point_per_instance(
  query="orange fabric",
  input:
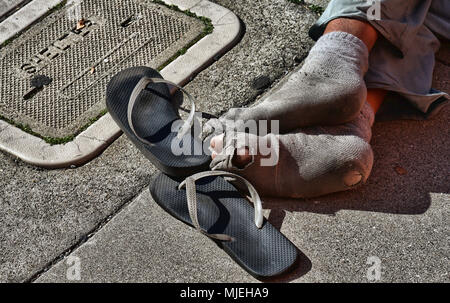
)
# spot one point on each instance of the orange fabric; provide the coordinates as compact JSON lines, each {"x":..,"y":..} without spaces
{"x":362,"y":30}
{"x":375,"y":98}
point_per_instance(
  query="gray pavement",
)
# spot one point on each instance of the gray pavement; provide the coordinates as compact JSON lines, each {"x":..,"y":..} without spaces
{"x":144,"y":244}
{"x":44,"y":214}
{"x":7,"y":5}
{"x":400,"y":219}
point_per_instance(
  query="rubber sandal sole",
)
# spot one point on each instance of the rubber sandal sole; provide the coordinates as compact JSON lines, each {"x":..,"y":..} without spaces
{"x":152,"y":119}
{"x":264,"y":253}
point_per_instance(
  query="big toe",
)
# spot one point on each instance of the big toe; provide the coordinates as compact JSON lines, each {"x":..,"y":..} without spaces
{"x":216,"y":145}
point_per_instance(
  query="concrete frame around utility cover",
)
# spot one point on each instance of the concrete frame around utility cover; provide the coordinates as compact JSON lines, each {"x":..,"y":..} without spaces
{"x":54,"y":76}
{"x":59,"y":101}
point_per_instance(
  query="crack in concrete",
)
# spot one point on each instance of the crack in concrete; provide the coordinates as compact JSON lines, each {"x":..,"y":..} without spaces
{"x":14,"y":9}
{"x":93,"y":138}
{"x":78,"y":147}
{"x":83,"y":239}
{"x":5,"y":126}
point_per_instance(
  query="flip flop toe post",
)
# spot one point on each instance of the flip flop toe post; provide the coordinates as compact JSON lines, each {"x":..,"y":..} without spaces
{"x":212,"y":205}
{"x":141,"y":102}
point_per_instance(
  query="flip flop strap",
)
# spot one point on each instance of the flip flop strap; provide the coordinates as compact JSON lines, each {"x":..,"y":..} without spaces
{"x":140,"y":86}
{"x":191,"y":194}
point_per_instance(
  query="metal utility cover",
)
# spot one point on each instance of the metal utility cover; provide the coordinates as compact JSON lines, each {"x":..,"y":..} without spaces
{"x":53,"y":77}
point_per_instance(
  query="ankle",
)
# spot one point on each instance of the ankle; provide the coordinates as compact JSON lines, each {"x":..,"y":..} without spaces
{"x":361,"y":29}
{"x":344,"y":49}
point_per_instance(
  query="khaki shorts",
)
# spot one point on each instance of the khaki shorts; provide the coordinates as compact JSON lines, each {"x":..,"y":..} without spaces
{"x":403,"y":60}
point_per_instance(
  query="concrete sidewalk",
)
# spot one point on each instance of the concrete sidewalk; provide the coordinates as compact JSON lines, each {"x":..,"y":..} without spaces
{"x":102,"y":215}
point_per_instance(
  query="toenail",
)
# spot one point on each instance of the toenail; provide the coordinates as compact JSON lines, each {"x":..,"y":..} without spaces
{"x":353,"y":178}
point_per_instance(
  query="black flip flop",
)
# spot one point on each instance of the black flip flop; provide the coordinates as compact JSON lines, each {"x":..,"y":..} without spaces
{"x":141,"y":102}
{"x":208,"y":202}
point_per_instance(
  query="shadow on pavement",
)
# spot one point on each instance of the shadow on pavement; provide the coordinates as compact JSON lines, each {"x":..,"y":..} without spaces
{"x":300,"y":268}
{"x":412,"y":161}
{"x":419,"y":148}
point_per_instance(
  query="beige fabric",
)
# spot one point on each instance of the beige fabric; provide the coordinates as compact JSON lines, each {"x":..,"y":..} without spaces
{"x":191,"y":194}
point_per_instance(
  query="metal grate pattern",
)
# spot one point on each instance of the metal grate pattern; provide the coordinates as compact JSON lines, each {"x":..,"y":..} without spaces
{"x":79,"y":62}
